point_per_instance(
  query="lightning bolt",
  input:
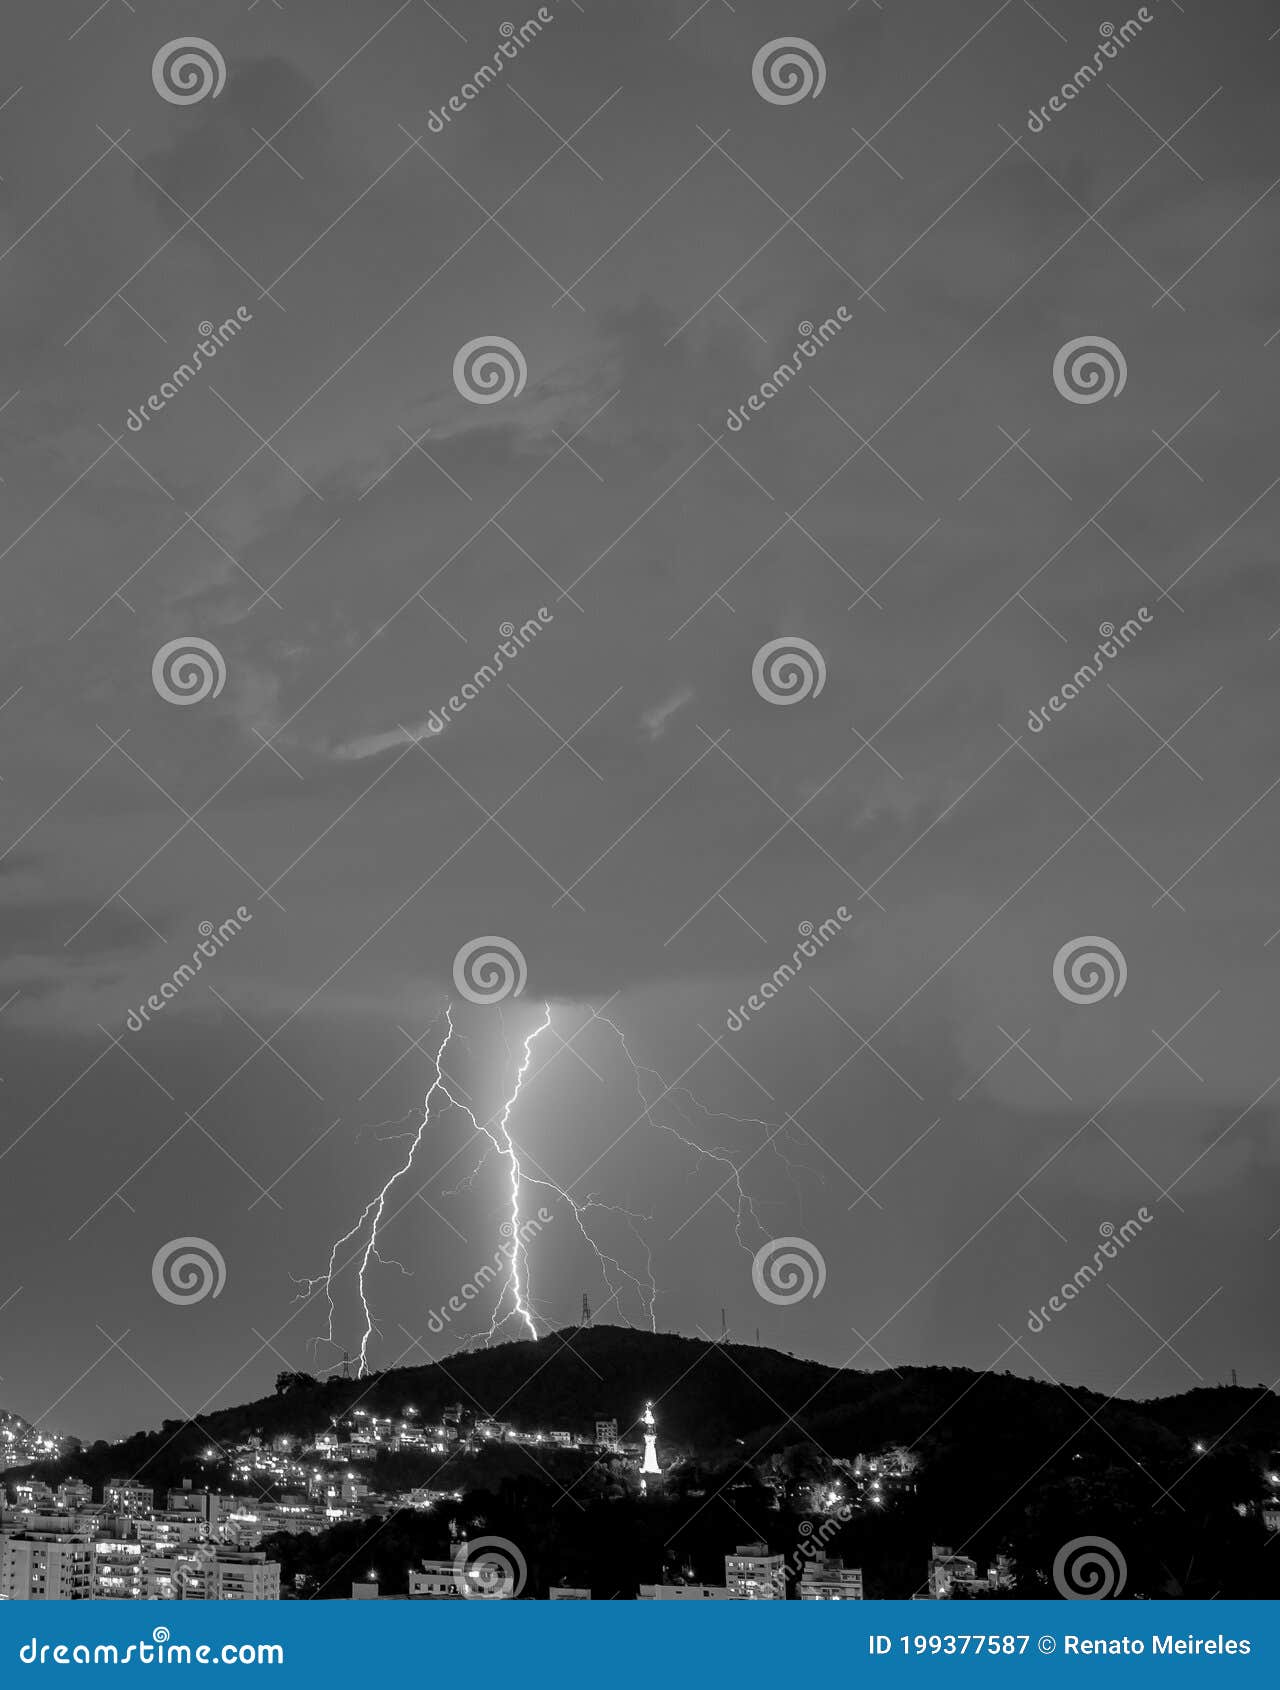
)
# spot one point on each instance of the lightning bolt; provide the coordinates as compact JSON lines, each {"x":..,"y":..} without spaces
{"x":745,"y":1206}
{"x":615,"y":1274}
{"x":372,"y":1217}
{"x":515,"y":1302}
{"x":518,"y":1253}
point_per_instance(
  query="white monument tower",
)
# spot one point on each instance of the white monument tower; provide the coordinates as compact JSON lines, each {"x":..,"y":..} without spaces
{"x":650,"y":1463}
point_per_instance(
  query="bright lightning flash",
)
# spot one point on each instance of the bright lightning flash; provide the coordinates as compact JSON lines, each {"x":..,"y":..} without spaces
{"x":515,"y":1301}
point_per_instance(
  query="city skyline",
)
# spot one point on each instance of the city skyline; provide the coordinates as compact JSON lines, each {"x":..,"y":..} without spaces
{"x":341,"y":1490}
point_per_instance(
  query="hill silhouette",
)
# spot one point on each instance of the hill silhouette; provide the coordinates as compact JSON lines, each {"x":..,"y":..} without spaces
{"x":717,"y":1399}
{"x":1006,"y":1463}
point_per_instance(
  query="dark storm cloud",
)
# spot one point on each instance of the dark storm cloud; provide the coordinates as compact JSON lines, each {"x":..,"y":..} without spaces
{"x":356,"y":571}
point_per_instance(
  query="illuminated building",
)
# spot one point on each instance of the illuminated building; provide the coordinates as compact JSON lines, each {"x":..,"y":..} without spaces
{"x":949,"y":1572}
{"x":45,"y":1567}
{"x":245,"y":1578}
{"x":129,"y":1498}
{"x":946,"y":1571}
{"x":607,"y":1435}
{"x":753,"y":1575}
{"x":116,"y":1569}
{"x":684,"y":1593}
{"x":435,"y":1583}
{"x":33,"y":1493}
{"x":167,"y":1528}
{"x":21,"y":1442}
{"x":442,"y":1581}
{"x":209,"y":1507}
{"x":212,"y":1574}
{"x":827,"y":1579}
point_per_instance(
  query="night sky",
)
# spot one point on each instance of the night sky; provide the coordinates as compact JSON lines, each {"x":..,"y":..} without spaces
{"x":921,"y":503}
